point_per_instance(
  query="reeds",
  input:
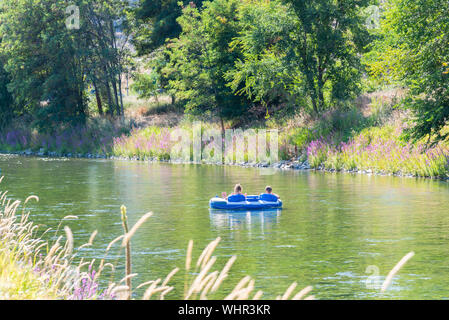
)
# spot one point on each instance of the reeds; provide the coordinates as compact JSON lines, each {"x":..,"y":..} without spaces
{"x":380,"y":150}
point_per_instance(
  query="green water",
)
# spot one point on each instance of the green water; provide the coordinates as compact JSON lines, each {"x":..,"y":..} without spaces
{"x":332,"y":228}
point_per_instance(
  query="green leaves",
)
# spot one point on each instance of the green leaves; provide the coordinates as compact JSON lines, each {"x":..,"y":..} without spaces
{"x":414,"y":49}
{"x":201,"y":56}
{"x":50,"y":65}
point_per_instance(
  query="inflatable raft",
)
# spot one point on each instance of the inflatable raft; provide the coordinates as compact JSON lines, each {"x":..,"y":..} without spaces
{"x":239,"y":202}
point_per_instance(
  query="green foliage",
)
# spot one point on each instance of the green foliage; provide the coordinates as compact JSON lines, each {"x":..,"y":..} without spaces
{"x":301,"y":52}
{"x":200,"y":58}
{"x":380,"y":150}
{"x":156,"y":22}
{"x":43,"y":60}
{"x":146,"y":85}
{"x":263,"y":75}
{"x":414,"y":51}
{"x":327,"y":45}
{"x":6,"y":103}
{"x":50,"y":66}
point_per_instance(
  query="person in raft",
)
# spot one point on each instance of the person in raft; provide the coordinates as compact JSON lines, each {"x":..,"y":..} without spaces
{"x":269,"y":196}
{"x":237,"y":196}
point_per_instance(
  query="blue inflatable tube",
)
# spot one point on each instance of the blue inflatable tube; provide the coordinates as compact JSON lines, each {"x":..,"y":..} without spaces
{"x":251,"y":203}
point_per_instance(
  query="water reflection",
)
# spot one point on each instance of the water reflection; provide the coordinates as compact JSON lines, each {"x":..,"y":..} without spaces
{"x":262,"y":220}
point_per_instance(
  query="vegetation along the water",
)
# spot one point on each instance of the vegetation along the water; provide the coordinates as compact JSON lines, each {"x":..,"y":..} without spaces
{"x":349,"y":86}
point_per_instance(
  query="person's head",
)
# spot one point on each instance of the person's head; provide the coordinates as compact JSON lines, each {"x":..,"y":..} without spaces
{"x":269,"y":189}
{"x":237,"y":188}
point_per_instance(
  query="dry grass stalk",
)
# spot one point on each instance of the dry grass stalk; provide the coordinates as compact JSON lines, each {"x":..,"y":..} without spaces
{"x":258,"y":295}
{"x":169,"y":276}
{"x":196,"y":285}
{"x":134,"y":229}
{"x":69,"y":243}
{"x":395,"y":270}
{"x":127,"y":250}
{"x":289,"y":291}
{"x":189,"y":255}
{"x":223,"y":274}
{"x":92,"y":237}
{"x":301,"y":294}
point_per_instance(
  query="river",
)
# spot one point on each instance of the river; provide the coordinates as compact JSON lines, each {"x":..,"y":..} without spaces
{"x":333,"y":229}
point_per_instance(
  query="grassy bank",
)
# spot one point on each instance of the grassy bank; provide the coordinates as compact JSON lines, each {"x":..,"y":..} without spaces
{"x":380,"y":150}
{"x":95,"y":137}
{"x":366,"y":137}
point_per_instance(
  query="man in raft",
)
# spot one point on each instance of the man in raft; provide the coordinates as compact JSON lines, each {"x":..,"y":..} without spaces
{"x":269,"y":190}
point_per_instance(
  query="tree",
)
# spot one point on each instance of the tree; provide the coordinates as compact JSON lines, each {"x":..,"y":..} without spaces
{"x":265,"y":74}
{"x":300,"y":52}
{"x":108,"y":29}
{"x":200,"y":58}
{"x":50,"y":65}
{"x":414,"y":50}
{"x":326,"y":47}
{"x":6,"y":103}
{"x":157,"y":22}
{"x":44,"y":60}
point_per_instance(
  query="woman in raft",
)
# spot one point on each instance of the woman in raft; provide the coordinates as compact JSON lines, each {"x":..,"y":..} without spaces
{"x":237,"y":196}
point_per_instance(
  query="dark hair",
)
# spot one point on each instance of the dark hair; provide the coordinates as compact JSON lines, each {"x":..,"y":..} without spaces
{"x":268,"y":189}
{"x":238,"y":188}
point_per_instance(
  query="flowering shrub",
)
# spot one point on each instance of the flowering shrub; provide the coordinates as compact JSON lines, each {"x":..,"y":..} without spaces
{"x":151,"y":142}
{"x":94,"y":137}
{"x":380,"y":150}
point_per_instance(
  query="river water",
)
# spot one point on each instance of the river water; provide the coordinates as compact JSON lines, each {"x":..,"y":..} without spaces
{"x":335,"y":232}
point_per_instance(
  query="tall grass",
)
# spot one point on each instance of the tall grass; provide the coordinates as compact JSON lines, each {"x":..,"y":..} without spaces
{"x":151,"y":142}
{"x":381,"y":150}
{"x":95,"y":137}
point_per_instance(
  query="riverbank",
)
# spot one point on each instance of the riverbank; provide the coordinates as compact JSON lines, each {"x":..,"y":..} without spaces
{"x":282,"y":165}
{"x":367,"y":140}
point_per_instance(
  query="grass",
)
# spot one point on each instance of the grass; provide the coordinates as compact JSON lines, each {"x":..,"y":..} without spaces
{"x":358,"y":138}
{"x":380,"y":150}
{"x":19,"y":281}
{"x":95,"y":137}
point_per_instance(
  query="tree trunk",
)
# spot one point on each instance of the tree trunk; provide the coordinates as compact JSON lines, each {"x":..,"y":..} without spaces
{"x":108,"y":93}
{"x":223,"y":131}
{"x":114,"y":87}
{"x":98,"y":97}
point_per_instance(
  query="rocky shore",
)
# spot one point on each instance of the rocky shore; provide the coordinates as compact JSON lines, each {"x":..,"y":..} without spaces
{"x":281,"y":165}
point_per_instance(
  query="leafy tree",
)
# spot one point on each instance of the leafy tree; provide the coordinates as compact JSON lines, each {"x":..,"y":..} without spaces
{"x":50,"y":65}
{"x":108,"y":28}
{"x":300,"y":49}
{"x":326,"y":47}
{"x":200,"y":58}
{"x":6,"y":103}
{"x":265,"y":74}
{"x":44,"y":60}
{"x":414,"y":50}
{"x":157,"y":22}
